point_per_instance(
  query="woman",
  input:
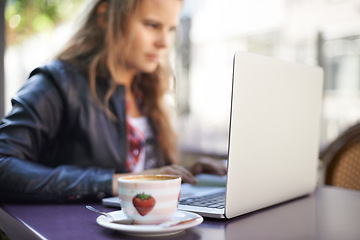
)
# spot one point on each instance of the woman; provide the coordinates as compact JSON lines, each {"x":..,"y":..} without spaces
{"x":96,"y":112}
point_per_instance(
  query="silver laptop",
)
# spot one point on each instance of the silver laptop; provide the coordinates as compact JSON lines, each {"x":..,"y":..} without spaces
{"x":273,"y":138}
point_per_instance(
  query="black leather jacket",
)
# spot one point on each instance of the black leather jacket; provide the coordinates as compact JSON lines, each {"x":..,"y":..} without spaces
{"x":57,"y":144}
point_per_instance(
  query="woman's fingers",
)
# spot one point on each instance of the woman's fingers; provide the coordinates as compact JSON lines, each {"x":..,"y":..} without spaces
{"x":182,"y":172}
{"x":177,"y":170}
{"x":206,"y":165}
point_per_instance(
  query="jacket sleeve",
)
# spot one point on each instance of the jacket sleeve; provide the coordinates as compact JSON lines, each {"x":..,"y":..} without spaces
{"x":35,"y":121}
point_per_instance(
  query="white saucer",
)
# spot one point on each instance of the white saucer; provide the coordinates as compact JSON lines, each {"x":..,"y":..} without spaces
{"x":149,"y":230}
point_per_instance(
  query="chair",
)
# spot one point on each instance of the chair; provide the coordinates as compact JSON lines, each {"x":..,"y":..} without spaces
{"x":341,"y":160}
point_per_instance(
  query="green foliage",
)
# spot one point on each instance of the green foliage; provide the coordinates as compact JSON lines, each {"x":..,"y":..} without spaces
{"x":27,"y":17}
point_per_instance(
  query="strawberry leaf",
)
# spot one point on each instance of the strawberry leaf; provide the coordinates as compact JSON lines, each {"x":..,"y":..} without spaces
{"x":143,"y":196}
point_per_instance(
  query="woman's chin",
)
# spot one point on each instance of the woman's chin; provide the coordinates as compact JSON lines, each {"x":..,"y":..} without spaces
{"x":150,"y":69}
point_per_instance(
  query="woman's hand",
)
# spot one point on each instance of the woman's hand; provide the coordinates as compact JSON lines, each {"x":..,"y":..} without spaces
{"x":174,"y":169}
{"x":203,"y":165}
{"x":210,"y":166}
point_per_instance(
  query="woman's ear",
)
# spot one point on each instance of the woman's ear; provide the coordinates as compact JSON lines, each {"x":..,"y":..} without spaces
{"x":102,"y":14}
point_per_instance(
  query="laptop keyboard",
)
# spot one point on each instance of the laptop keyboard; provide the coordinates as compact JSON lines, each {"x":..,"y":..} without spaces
{"x":216,"y":200}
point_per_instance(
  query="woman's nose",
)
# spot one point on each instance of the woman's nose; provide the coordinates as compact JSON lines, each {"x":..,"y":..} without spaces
{"x":164,"y":39}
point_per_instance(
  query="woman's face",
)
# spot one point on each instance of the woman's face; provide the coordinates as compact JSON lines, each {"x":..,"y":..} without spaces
{"x":150,"y":33}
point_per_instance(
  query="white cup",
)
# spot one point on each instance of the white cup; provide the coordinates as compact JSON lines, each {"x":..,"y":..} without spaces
{"x":149,"y":199}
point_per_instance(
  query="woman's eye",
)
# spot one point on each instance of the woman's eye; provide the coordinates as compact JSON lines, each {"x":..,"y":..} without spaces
{"x":153,"y":25}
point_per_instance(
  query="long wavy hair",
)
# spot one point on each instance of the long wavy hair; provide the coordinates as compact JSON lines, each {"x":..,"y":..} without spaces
{"x":97,"y":48}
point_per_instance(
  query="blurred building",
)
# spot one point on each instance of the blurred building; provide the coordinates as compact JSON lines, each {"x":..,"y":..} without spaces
{"x":313,"y":32}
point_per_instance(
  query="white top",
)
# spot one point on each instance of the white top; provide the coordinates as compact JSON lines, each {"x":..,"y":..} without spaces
{"x":142,"y":125}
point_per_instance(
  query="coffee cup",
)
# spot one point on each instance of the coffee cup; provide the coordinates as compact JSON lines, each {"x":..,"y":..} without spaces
{"x":149,"y":199}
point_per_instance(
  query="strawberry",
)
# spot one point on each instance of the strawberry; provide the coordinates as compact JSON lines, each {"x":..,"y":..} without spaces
{"x":143,"y":203}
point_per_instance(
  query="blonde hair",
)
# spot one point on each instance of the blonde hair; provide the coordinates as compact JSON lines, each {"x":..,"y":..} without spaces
{"x":98,"y":51}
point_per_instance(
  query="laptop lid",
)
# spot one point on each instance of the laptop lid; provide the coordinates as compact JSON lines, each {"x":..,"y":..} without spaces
{"x":274,"y":132}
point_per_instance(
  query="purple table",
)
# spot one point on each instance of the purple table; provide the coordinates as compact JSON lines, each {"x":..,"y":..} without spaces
{"x":330,"y":213}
